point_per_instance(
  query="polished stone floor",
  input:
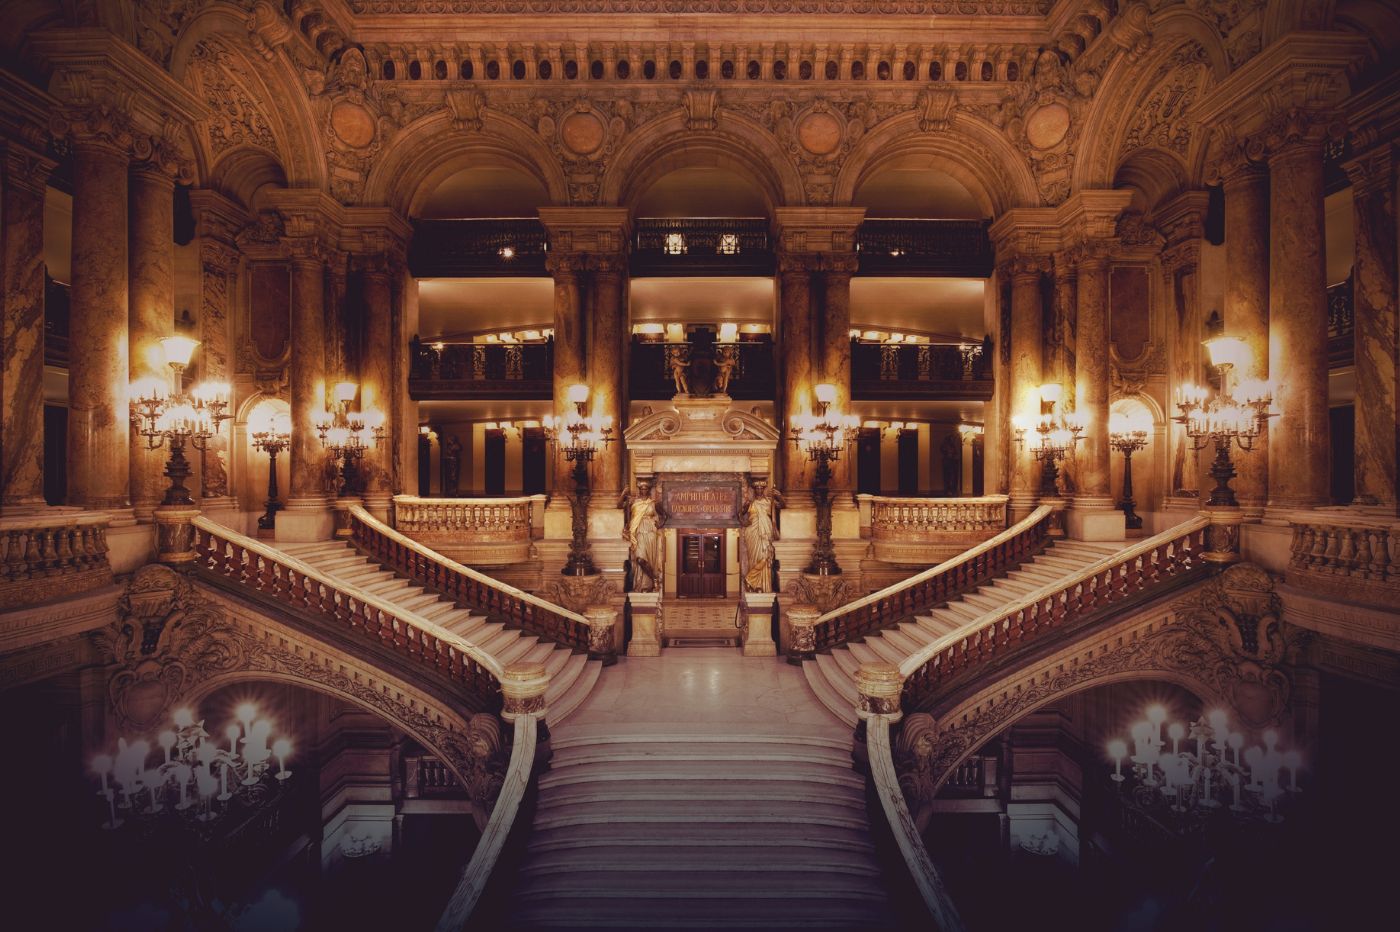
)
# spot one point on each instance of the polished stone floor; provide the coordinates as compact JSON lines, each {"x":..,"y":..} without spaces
{"x":704,"y":689}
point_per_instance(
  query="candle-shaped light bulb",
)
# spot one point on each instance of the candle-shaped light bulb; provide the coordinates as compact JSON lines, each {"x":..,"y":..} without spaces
{"x":246,"y":713}
{"x":1117,"y":748}
{"x":1292,"y":760}
{"x":233,"y":732}
{"x":102,"y":763}
{"x":282,"y":748}
{"x":1270,"y":739}
{"x":1176,"y":732}
{"x":167,"y":741}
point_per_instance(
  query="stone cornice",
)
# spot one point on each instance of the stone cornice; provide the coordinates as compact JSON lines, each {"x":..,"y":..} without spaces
{"x":1304,"y":70}
{"x":1374,"y":114}
{"x":1026,"y":232}
{"x":311,"y":219}
{"x":24,"y":112}
{"x":369,"y":231}
{"x":590,"y":230}
{"x":816,"y":229}
{"x":1092,"y":216}
{"x":80,"y":59}
{"x":217,"y":215}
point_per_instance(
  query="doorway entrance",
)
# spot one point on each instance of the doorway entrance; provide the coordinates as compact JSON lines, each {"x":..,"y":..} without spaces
{"x":701,"y":565}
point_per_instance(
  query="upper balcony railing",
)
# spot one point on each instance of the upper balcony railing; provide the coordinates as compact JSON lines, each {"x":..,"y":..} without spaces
{"x":955,"y":248}
{"x":920,"y":531}
{"x":702,"y":246}
{"x":958,"y":371}
{"x":477,"y":248}
{"x":480,"y":370}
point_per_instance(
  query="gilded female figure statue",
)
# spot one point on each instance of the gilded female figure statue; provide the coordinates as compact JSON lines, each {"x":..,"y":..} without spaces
{"x":642,"y":532}
{"x":756,"y":535}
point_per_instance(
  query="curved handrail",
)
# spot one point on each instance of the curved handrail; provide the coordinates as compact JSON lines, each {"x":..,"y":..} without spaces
{"x":906,"y":834}
{"x":1113,"y":579}
{"x":270,"y":571}
{"x":430,"y":568}
{"x":514,"y":786}
{"x":935,"y":584}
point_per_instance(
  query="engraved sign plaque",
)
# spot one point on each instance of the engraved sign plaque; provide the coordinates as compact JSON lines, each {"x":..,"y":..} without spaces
{"x":702,"y":504}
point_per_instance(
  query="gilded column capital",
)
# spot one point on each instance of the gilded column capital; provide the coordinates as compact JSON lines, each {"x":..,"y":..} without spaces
{"x":1024,"y":267}
{"x":607,"y":264}
{"x":1065,"y":265}
{"x":24,"y":168}
{"x":159,"y":155}
{"x":839,"y":264}
{"x":563,"y":266}
{"x":95,"y":123}
{"x":1238,"y":158}
{"x":1293,"y":129}
{"x":796,"y":263}
{"x":218,"y":256}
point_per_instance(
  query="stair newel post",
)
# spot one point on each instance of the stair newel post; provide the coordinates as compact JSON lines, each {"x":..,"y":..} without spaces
{"x":601,"y":619}
{"x":802,"y":642}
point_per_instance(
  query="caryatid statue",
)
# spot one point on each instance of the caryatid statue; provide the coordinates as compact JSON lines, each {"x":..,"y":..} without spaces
{"x":759,"y":517}
{"x":642,"y":531}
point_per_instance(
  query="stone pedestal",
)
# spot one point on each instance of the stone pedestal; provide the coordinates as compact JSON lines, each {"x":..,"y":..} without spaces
{"x":646,"y":624}
{"x":303,"y":520}
{"x":1223,"y":535}
{"x":1094,"y":518}
{"x":802,"y":643}
{"x":377,"y":504}
{"x":878,"y":686}
{"x":175,"y":534}
{"x":758,"y":635}
{"x":340,"y":516}
{"x":602,"y":619}
{"x":523,"y":688}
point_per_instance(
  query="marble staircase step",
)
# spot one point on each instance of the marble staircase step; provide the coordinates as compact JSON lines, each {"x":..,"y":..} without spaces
{"x":643,"y":860}
{"x":885,"y":648}
{"x":693,"y":768}
{"x":742,"y":754}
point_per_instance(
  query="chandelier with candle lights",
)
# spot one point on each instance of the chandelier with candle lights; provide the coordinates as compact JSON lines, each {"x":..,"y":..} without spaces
{"x":580,"y":435}
{"x":189,"y":774}
{"x":1056,"y":435}
{"x":1235,"y":415}
{"x":822,"y":437}
{"x":176,"y":418}
{"x":272,"y":434}
{"x":1128,"y":433}
{"x":1192,"y":772}
{"x":347,"y":434}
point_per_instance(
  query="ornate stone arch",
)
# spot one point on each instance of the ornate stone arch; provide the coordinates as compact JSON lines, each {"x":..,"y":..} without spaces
{"x":243,"y":111}
{"x":668,"y":143}
{"x":432,"y":148}
{"x":1146,"y":103}
{"x":970,"y":150}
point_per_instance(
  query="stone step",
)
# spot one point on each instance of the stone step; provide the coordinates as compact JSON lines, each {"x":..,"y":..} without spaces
{"x":701,"y":909}
{"x":586,"y":735}
{"x":613,"y":828}
{"x":863,"y":653}
{"x":573,"y":684}
{"x":625,"y":755}
{"x":667,"y":792}
{"x":629,"y":859}
{"x":680,"y":815}
{"x":846,"y":660}
{"x":779,"y":881}
{"x":834,"y":689}
{"x":885,"y":648}
{"x":1013,"y":588}
{"x":900,"y":640}
{"x":1053,"y":563}
{"x":963,"y":610}
{"x":916,"y":634}
{"x":939,"y":622}
{"x":696,"y":768}
{"x":420,"y":601}
{"x":984,"y":600}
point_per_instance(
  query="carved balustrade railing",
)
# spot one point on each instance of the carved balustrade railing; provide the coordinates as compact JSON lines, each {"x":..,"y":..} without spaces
{"x":465,"y":586}
{"x":254,"y":568}
{"x":925,"y":247}
{"x":925,"y":370}
{"x":1341,"y":324}
{"x":480,"y":370}
{"x":934,"y":586}
{"x":475,"y":531}
{"x":57,"y":552}
{"x":1145,"y":570}
{"x":920,"y":531}
{"x":1349,"y":556}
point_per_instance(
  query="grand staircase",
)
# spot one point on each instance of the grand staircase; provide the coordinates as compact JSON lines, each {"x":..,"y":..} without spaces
{"x":832,"y":675}
{"x":572,"y":675}
{"x":701,"y":827}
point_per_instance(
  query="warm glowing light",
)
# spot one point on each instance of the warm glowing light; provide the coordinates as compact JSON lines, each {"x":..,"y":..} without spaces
{"x":1227,"y":351}
{"x":149,"y":389}
{"x":1051,"y":392}
{"x":184,"y":718}
{"x":673,"y":244}
{"x":345,"y":391}
{"x":825,"y":393}
{"x":728,"y":332}
{"x":507,"y":252}
{"x":578,"y":394}
{"x":373,"y":419}
{"x":178,"y":350}
{"x":1020,"y":423}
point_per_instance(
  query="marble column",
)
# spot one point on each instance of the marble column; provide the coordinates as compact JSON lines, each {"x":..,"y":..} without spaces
{"x":1093,"y":516}
{"x":99,"y":433}
{"x":1246,"y":188}
{"x":1059,"y":361}
{"x":1377,"y":338}
{"x":1180,"y":273}
{"x":607,"y":368}
{"x":836,"y":352}
{"x":376,"y":379}
{"x":569,"y":358}
{"x":307,"y":516}
{"x":1299,"y":451}
{"x":218,"y":261}
{"x":22,"y":328}
{"x":151,"y":314}
{"x":1027,"y":345}
{"x":795,"y":366}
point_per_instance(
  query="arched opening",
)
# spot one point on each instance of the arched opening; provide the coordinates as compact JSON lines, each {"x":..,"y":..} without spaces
{"x":910,"y":186}
{"x":486,"y":190}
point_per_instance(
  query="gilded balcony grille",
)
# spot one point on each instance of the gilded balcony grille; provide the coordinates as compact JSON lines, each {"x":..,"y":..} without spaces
{"x":478,"y":248}
{"x":480,"y":370}
{"x":701,"y":246}
{"x":1341,"y":325}
{"x":961,"y":371}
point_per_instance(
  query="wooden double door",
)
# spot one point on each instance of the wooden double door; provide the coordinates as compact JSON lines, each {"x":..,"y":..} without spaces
{"x":701,"y":573}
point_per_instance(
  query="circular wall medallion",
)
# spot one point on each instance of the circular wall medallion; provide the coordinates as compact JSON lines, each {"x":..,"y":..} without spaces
{"x":1047,"y":125}
{"x":353,"y":124}
{"x":582,"y":133}
{"x":819,"y":133}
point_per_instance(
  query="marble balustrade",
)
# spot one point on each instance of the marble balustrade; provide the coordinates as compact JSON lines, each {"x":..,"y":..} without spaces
{"x":1355,"y":558}
{"x":475,"y":531}
{"x":43,"y":556}
{"x":924,"y":531}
